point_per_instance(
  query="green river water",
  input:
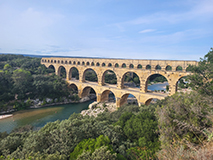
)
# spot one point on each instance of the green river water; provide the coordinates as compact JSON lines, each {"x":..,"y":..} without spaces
{"x":41,"y":116}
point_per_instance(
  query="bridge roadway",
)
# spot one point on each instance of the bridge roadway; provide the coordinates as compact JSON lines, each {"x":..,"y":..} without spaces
{"x":121,"y":95}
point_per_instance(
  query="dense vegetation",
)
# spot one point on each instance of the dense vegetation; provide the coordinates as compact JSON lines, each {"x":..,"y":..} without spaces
{"x":24,"y":78}
{"x":178,"y":127}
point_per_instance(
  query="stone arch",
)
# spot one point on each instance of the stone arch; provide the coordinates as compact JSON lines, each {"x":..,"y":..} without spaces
{"x":112,"y":76}
{"x":74,"y":62}
{"x":92,"y":64}
{"x":79,"y":63}
{"x":62,"y":71}
{"x":87,"y":91}
{"x":62,"y":62}
{"x":168,"y":68}
{"x":92,"y":76}
{"x":70,"y":62}
{"x":148,"y":67}
{"x":65,"y":62}
{"x":123,"y":65}
{"x":97,"y":64}
{"x":158,"y":67}
{"x":74,"y":88}
{"x":54,"y":61}
{"x":73,"y":73}
{"x":103,"y":64}
{"x":116,"y":65}
{"x":139,"y":66}
{"x":58,"y":61}
{"x":51,"y":68}
{"x":105,"y":96}
{"x":176,"y":84}
{"x":148,"y":101}
{"x":179,"y":68}
{"x":83,"y":63}
{"x":110,"y":65}
{"x":124,"y":99}
{"x":87,"y":63}
{"x":131,"y":66}
{"x":153,"y":76}
{"x":132,"y":76}
{"x":51,"y":61}
{"x":48,"y":60}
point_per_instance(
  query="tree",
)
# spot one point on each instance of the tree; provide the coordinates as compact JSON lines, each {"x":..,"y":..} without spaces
{"x":202,"y":78}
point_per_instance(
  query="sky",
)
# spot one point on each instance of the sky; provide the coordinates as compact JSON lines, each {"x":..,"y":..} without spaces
{"x":131,"y":29}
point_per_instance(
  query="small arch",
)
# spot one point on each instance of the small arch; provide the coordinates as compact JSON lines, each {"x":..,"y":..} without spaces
{"x":123,"y":65}
{"x":98,"y":64}
{"x":51,"y":61}
{"x":87,"y":63}
{"x":158,"y":67}
{"x":151,"y":101}
{"x":45,"y":60}
{"x":182,"y":84}
{"x":139,"y":66}
{"x":42,"y":60}
{"x":110,"y":65}
{"x":65,"y":62}
{"x":74,"y":62}
{"x":62,"y":62}
{"x":90,"y":75}
{"x":148,"y":66}
{"x":92,"y":64}
{"x":73,"y":73}
{"x":109,"y":77}
{"x":79,"y":63}
{"x":168,"y":68}
{"x":179,"y":68}
{"x":107,"y":96}
{"x":58,"y":61}
{"x":131,"y":66}
{"x":70,"y":62}
{"x":116,"y":65}
{"x":48,"y":61}
{"x":83,"y":63}
{"x":103,"y":64}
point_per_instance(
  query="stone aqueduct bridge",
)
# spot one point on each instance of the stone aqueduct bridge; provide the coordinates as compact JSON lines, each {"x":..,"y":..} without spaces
{"x":171,"y":70}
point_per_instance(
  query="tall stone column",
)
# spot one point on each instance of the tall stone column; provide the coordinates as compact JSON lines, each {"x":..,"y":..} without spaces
{"x":98,"y":97}
{"x":118,"y":102}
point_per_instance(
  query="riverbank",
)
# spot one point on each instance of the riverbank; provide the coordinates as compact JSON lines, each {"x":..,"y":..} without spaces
{"x":5,"y":116}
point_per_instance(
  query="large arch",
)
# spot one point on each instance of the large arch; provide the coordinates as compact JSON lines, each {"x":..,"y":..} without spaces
{"x":154,"y":78}
{"x":51,"y":69}
{"x":124,"y":99}
{"x":109,"y":77}
{"x":105,"y":96}
{"x":131,"y":78}
{"x":74,"y":88}
{"x":179,"y":81}
{"x":62,"y":71}
{"x":87,"y":91}
{"x":73,"y":73}
{"x":90,"y":75}
{"x":151,"y":100}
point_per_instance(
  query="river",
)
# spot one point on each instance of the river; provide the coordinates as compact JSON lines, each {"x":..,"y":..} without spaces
{"x":41,"y":116}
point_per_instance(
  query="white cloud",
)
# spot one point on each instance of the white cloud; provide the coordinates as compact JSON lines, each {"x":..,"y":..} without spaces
{"x":147,"y":30}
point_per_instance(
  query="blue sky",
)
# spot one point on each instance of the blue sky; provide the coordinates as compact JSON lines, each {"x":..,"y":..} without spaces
{"x":136,"y":29}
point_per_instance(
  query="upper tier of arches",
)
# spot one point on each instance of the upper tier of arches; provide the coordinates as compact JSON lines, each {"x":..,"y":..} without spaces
{"x":166,"y":65}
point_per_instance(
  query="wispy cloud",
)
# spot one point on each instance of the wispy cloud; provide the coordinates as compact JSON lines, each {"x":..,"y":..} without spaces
{"x":147,"y":30}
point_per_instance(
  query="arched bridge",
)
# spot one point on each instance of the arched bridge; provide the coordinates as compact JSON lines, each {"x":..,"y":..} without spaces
{"x":172,"y":70}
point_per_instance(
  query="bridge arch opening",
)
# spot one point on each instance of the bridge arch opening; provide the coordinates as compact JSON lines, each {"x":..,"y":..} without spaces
{"x":157,"y":83}
{"x":151,"y":101}
{"x":70,"y":62}
{"x":58,"y":61}
{"x":98,"y":64}
{"x":130,"y":79}
{"x":51,"y":69}
{"x":107,"y":96}
{"x":88,"y":92}
{"x":158,"y":67}
{"x":65,"y":62}
{"x":103,"y":64}
{"x":74,"y":62}
{"x":79,"y":63}
{"x":139,"y":66}
{"x":179,"y":68}
{"x":116,"y":65}
{"x":87,"y":63}
{"x":110,"y":65}
{"x":73,"y":88}
{"x":109,"y":77}
{"x":83,"y":63}
{"x":90,"y":75}
{"x":92,"y":64}
{"x":62,"y":72}
{"x":54,"y":61}
{"x":73,"y":73}
{"x":168,"y":68}
{"x":148,"y":66}
{"x":182,"y":84}
{"x":128,"y":99}
{"x":123,"y":65}
{"x":131,"y":66}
